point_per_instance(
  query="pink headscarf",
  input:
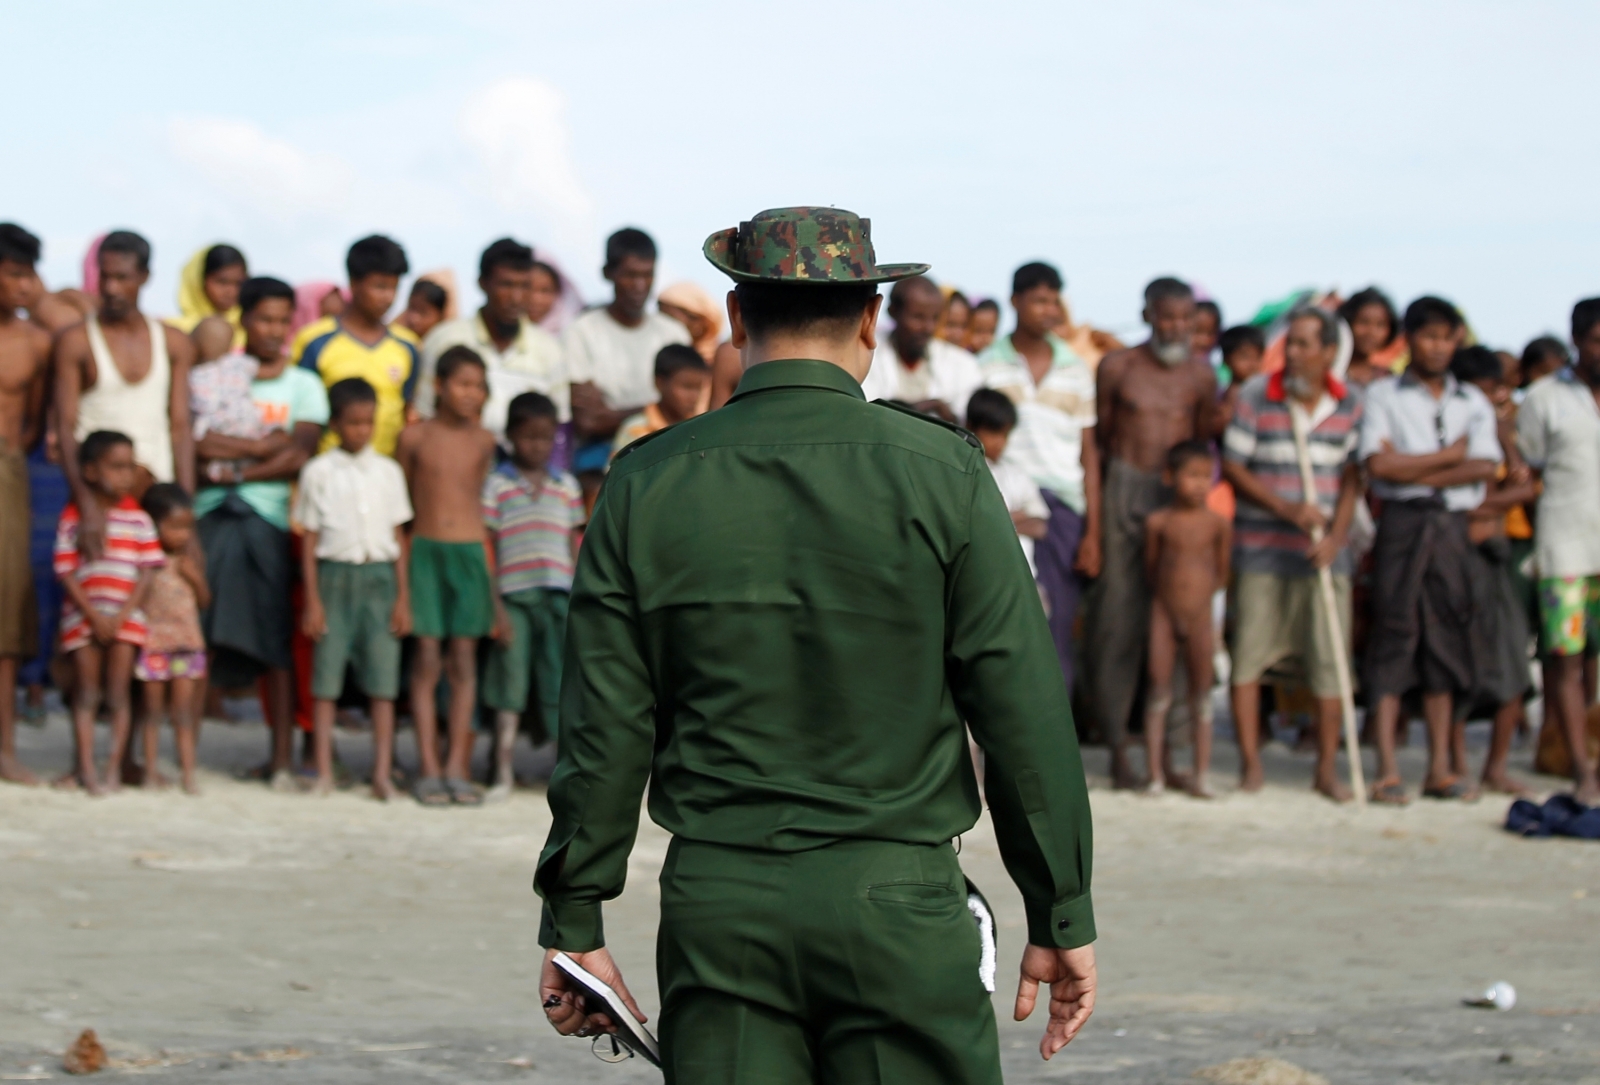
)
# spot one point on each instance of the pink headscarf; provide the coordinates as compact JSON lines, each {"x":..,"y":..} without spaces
{"x":91,"y":267}
{"x":308,"y":301}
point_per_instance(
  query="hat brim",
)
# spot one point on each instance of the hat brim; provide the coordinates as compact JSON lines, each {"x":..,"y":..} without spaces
{"x":720,"y":244}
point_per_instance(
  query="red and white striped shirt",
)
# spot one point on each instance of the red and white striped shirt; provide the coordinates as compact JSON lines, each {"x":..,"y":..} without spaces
{"x":132,"y":546}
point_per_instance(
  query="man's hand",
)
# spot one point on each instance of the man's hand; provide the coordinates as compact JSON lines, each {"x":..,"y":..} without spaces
{"x":1307,"y":518}
{"x":1071,"y":976}
{"x":314,"y":622}
{"x":400,"y":617}
{"x":1088,"y":560}
{"x":564,"y":1007}
{"x":503,"y":631}
{"x":1321,"y":554}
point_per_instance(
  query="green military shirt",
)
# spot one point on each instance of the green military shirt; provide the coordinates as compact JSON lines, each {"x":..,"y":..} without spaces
{"x":784,"y":610}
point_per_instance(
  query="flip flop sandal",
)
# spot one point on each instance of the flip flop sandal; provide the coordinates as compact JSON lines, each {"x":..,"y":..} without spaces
{"x":1390,"y":793}
{"x":431,"y":791}
{"x":1452,"y":789}
{"x":463,"y":792}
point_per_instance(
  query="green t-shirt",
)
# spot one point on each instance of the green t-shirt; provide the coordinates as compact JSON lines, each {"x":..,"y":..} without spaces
{"x":296,"y":395}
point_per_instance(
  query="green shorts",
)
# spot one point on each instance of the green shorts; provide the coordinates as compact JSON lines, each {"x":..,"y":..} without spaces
{"x":358,"y":601}
{"x":1569,"y":613}
{"x":451,"y":595}
{"x":538,"y":620}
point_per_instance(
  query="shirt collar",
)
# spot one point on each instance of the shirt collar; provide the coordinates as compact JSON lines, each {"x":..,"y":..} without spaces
{"x":1452,"y":387}
{"x":509,"y":470}
{"x":1061,"y":353}
{"x":1276,"y":393}
{"x":797,"y":373}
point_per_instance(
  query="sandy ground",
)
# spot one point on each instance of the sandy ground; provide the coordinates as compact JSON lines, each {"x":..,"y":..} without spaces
{"x":247,"y":936}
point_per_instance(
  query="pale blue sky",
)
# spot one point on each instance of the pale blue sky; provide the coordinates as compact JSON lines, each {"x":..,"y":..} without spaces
{"x":1251,"y":146}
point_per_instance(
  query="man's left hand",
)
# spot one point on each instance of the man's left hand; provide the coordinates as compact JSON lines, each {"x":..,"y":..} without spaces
{"x":564,"y":1006}
{"x":1088,"y":560}
{"x":1323,"y":552}
{"x":1071,"y":976}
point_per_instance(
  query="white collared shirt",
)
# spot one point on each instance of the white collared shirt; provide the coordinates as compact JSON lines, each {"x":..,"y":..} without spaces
{"x":533,"y":362}
{"x":620,"y":361}
{"x":1051,"y":415}
{"x":1402,"y":411}
{"x":354,"y":503}
{"x":1558,"y":431}
{"x":948,"y":374}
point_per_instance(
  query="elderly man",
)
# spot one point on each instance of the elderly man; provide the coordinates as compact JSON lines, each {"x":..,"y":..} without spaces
{"x":1277,"y":602}
{"x":913,"y":367}
{"x":1148,"y":398}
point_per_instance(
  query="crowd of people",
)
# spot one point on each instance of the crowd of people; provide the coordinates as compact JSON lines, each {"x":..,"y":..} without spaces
{"x":293,"y":490}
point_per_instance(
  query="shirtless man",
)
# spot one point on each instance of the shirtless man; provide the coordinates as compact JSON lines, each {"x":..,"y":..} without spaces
{"x":1187,"y":547}
{"x":453,"y":600}
{"x":145,"y":392}
{"x":1148,"y":399}
{"x":24,"y":362}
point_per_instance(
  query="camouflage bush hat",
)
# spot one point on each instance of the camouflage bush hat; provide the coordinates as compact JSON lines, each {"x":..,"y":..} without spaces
{"x":803,"y":245}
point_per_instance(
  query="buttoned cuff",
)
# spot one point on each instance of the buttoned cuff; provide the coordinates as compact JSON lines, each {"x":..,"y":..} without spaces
{"x":1064,"y":925}
{"x":573,"y":928}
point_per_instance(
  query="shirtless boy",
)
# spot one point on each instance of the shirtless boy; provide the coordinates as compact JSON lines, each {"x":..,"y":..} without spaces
{"x":1148,"y":398}
{"x":24,"y":360}
{"x":144,"y":395}
{"x":1186,"y":553}
{"x":453,"y":601}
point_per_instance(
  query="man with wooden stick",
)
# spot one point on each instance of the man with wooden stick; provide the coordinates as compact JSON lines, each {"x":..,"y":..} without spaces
{"x":1281,"y":539}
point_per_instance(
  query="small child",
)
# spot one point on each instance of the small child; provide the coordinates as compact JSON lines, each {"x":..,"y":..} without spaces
{"x":1186,"y":554}
{"x":534,"y":515}
{"x":983,"y":325}
{"x":1207,"y":329}
{"x":354,"y":505}
{"x":425,"y":308}
{"x":102,"y":623}
{"x":682,"y":381}
{"x":219,"y":393}
{"x":172,"y":662}
{"x":991,"y":416}
{"x":453,"y":600}
{"x":1244,"y":348}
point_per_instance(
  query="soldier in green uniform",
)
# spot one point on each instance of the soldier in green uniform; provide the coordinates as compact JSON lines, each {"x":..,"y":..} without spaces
{"x":784,"y":612}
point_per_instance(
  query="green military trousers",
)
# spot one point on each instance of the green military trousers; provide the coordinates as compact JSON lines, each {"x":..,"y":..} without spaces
{"x":850,"y":964}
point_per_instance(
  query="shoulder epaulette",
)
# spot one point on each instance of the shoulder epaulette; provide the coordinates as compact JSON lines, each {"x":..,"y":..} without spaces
{"x":639,"y":443}
{"x":905,"y":409}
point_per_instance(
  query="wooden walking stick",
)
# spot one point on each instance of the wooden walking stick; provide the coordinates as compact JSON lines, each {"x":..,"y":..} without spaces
{"x":1330,"y":610}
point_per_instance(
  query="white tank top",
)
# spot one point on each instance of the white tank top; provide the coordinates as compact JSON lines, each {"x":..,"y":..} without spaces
{"x":142,"y":410}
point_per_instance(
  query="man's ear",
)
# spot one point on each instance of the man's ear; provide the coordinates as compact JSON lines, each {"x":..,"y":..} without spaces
{"x":736,"y":333}
{"x":869,"y":323}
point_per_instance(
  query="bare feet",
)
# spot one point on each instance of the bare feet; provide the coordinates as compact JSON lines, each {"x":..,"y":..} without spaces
{"x":1251,"y":777}
{"x":112,"y":783}
{"x":13,"y":771}
{"x":1331,"y":788}
{"x":67,"y":781}
{"x":189,"y":786}
{"x":497,"y":793}
{"x":155,"y":781}
{"x":1501,"y":783}
{"x":1178,"y":780}
{"x":283,"y":780}
{"x":1154,"y":788}
{"x":1588,"y":793}
{"x":321,"y":786}
{"x":383,"y":790}
{"x":1197,"y":789}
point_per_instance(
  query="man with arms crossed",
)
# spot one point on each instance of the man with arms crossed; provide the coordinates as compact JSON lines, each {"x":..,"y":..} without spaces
{"x":784,"y":611}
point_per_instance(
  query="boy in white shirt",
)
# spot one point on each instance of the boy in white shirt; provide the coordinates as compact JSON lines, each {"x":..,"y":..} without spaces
{"x":991,"y":416}
{"x":353,"y":503}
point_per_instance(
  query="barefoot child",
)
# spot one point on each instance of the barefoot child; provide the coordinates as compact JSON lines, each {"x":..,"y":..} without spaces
{"x":172,"y":662}
{"x":453,"y":601}
{"x":354,"y":505}
{"x":102,"y":623}
{"x":1186,"y":560}
{"x":533,"y":514}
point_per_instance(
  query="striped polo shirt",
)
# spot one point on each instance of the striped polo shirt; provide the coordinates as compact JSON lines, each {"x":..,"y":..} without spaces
{"x":1261,"y":440}
{"x":532,"y":528}
{"x":131,"y":547}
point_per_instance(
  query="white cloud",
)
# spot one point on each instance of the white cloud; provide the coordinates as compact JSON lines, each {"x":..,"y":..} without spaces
{"x":517,"y":129}
{"x":260,"y":172}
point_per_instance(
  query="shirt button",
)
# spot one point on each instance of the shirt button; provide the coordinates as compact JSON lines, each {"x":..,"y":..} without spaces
{"x":1063,"y":924}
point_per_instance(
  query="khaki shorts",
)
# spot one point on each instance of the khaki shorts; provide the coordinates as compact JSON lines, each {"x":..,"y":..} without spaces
{"x":1279,"y":618}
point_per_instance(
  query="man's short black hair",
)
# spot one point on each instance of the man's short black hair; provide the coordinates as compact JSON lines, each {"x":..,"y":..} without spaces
{"x":626,"y":242}
{"x":1431,"y":310}
{"x":129,"y":244}
{"x":165,"y":498}
{"x":221,"y":258}
{"x":1166,"y":287}
{"x":1585,"y":315}
{"x":1371,"y":296}
{"x":507,"y":252}
{"x":528,"y":406}
{"x":902,"y":290}
{"x":376,"y":255}
{"x":1543,"y":349}
{"x":1477,"y":363}
{"x":1184,"y":451}
{"x":991,"y":411}
{"x":431,"y":293}
{"x":1210,"y":307}
{"x":93,"y":448}
{"x":18,"y":245}
{"x":675,"y":357}
{"x":456,"y":357}
{"x":257,"y":290}
{"x":347,"y":393}
{"x":1327,"y":325}
{"x":987,"y":305}
{"x":1240,"y":336}
{"x":1038,"y":273}
{"x":826,"y":308}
